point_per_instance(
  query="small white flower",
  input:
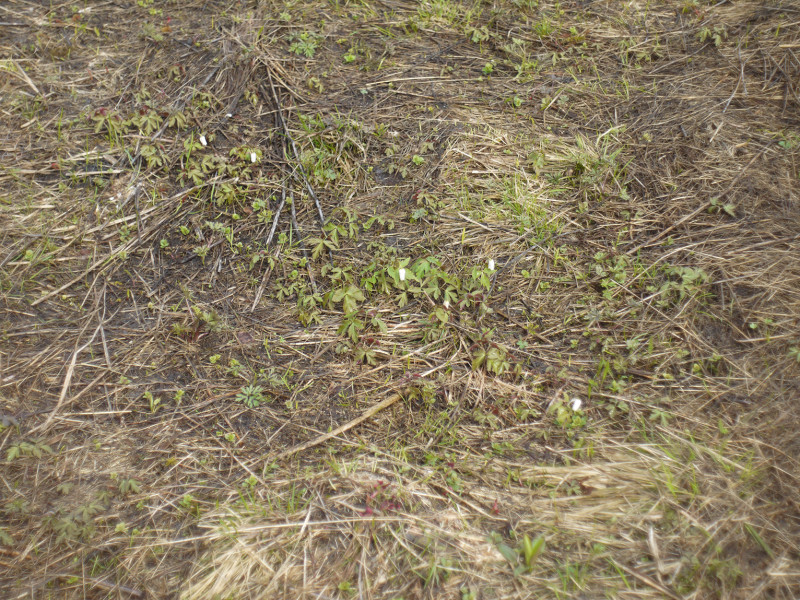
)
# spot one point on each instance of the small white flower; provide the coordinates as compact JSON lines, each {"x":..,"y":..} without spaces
{"x":575,"y":404}
{"x":203,"y":140}
{"x":401,"y":273}
{"x":446,"y":304}
{"x":252,"y":157}
{"x":491,"y":264}
{"x":229,"y":115}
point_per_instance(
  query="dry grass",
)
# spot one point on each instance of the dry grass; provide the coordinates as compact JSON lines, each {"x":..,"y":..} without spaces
{"x":632,"y":172}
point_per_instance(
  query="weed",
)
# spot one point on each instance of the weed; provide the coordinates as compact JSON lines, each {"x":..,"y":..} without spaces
{"x":794,"y":352}
{"x":6,"y":539}
{"x":305,"y":43}
{"x":482,"y":259}
{"x":129,"y":486}
{"x":36,"y":449}
{"x":717,"y":35}
{"x":251,"y":396}
{"x":153,"y":402}
{"x":349,"y":295}
{"x":495,"y":359}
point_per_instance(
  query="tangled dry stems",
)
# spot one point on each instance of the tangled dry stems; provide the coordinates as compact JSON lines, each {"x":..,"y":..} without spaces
{"x":634,"y":180}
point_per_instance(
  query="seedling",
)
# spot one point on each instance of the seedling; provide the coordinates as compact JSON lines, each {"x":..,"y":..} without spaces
{"x":305,"y":44}
{"x":251,"y":396}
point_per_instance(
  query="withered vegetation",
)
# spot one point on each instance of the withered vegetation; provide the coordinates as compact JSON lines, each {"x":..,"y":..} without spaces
{"x":390,"y":299}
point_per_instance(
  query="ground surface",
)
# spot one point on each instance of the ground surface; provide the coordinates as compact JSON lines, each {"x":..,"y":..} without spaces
{"x":388,"y":299}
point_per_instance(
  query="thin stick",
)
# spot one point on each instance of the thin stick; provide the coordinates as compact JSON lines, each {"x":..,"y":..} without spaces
{"x":271,"y":235}
{"x":647,"y":581}
{"x":104,"y":263}
{"x":302,"y":244}
{"x":285,"y":128}
{"x":179,"y":107}
{"x":694,"y":213}
{"x":27,"y":79}
{"x":67,"y":381}
{"x":277,"y":214}
{"x":349,"y":425}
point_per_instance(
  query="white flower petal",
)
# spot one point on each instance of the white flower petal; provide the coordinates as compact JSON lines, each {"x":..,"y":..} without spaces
{"x":203,"y":140}
{"x":252,"y":157}
{"x":446,"y":304}
{"x":491,"y":264}
{"x":229,"y":115}
{"x":575,"y":404}
{"x":401,"y":273}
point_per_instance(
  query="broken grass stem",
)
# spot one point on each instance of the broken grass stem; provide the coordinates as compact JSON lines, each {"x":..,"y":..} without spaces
{"x":295,"y":152}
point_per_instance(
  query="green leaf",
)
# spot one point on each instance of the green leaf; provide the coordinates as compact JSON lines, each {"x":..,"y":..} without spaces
{"x":350,"y":297}
{"x":478,"y":359}
{"x":508,"y":553}
{"x":356,"y":293}
{"x":5,"y":538}
{"x":759,"y":540}
{"x":532,"y":549}
{"x":64,"y":488}
{"x":348,"y":305}
{"x":379,"y":324}
{"x":366,"y":355}
{"x":319,"y":246}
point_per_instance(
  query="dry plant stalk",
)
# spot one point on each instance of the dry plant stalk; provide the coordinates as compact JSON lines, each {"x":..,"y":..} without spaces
{"x":568,"y":232}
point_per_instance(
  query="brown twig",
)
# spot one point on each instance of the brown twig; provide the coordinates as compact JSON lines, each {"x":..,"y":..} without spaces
{"x":698,"y":210}
{"x":296,"y":153}
{"x":339,"y":430}
{"x":65,"y":386}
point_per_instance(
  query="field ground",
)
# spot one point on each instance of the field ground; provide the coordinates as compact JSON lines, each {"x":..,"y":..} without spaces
{"x":386,"y":299}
